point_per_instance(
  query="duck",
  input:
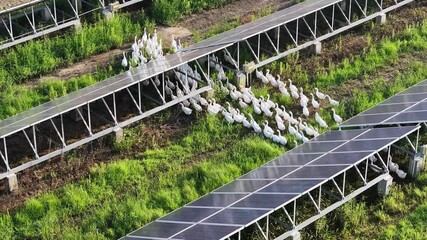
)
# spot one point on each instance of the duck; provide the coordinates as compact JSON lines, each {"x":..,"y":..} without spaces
{"x":246,"y":123}
{"x":314,"y":103}
{"x":282,"y":139}
{"x":255,"y":125}
{"x":319,"y":95}
{"x":284,"y":91}
{"x":238,"y":117}
{"x":268,"y":131}
{"x":332,"y":101}
{"x":291,"y":119}
{"x":124,"y":61}
{"x":270,"y":78}
{"x":305,"y":111}
{"x":302,"y":94}
{"x":185,"y":109}
{"x":203,"y":101}
{"x":242,"y":104}
{"x":292,"y":87}
{"x":291,"y":129}
{"x":197,"y":107}
{"x":320,"y":121}
{"x":401,"y":174}
{"x":230,"y":108}
{"x":270,"y":103}
{"x":212,"y":109}
{"x":337,"y":118}
{"x":228,"y":116}
{"x":393,"y":167}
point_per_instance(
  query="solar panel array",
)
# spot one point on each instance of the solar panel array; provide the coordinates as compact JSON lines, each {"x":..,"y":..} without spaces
{"x":153,"y":68}
{"x":253,"y":196}
{"x":407,"y":107}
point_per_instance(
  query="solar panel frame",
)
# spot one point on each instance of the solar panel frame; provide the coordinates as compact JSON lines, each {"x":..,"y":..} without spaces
{"x":391,"y":110}
{"x":267,"y":189}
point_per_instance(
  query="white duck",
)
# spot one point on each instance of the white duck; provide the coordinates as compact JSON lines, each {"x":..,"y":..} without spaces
{"x":292,"y":87}
{"x":268,"y":131}
{"x":332,"y":101}
{"x":305,"y":111}
{"x":284,"y":90}
{"x":255,"y":125}
{"x":124,"y":61}
{"x":270,"y":103}
{"x":291,"y":129}
{"x":242,"y":104}
{"x":337,"y":118}
{"x":238,"y":117}
{"x":291,"y":119}
{"x":270,"y":78}
{"x":319,"y":95}
{"x":401,"y":173}
{"x":246,"y":123}
{"x":320,"y":121}
{"x":257,"y":109}
{"x":393,"y":167}
{"x":230,"y":108}
{"x":302,"y":94}
{"x":314,"y":103}
{"x":228,"y":117}
{"x":185,"y":109}
{"x":282,"y":139}
{"x":212,"y":109}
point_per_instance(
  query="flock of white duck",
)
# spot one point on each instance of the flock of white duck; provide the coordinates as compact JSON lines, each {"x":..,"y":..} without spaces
{"x":150,"y":47}
{"x":263,"y":106}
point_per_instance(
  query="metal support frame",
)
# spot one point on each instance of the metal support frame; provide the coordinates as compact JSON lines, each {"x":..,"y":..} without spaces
{"x":57,"y":18}
{"x":87,"y":111}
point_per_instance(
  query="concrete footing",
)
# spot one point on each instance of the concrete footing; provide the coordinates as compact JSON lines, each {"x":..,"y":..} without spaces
{"x":385,"y":185}
{"x":118,"y":133}
{"x":381,"y":19}
{"x":316,"y":48}
{"x":11,"y":182}
{"x":78,"y":26}
{"x":295,"y":235}
{"x":108,"y":14}
{"x":209,"y":94}
{"x":417,"y":163}
{"x":240,"y":81}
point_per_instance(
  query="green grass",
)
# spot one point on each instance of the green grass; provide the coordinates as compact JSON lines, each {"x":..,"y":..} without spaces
{"x":36,"y":58}
{"x":129,"y":193}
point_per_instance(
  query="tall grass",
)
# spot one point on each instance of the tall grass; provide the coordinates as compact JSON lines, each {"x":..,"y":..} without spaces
{"x":35,"y":58}
{"x":170,"y":11}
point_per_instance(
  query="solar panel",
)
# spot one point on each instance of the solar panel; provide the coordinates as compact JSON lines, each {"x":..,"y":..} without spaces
{"x":316,"y":172}
{"x":337,"y":135}
{"x":217,"y":200}
{"x":160,"y":229}
{"x":243,"y":201}
{"x":236,"y":216}
{"x":316,"y":147}
{"x":243,"y":186}
{"x":268,"y":173}
{"x":206,"y":232}
{"x":407,"y":107}
{"x":189,"y":214}
{"x":266,"y":201}
{"x":293,"y":159}
{"x":291,"y":186}
{"x":363,"y":145}
{"x":340,"y":158}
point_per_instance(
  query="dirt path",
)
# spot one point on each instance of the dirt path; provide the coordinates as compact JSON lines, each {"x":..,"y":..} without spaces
{"x":201,"y":22}
{"x":56,"y":173}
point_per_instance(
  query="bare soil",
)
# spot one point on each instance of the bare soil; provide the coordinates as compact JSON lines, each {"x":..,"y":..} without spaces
{"x":77,"y":164}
